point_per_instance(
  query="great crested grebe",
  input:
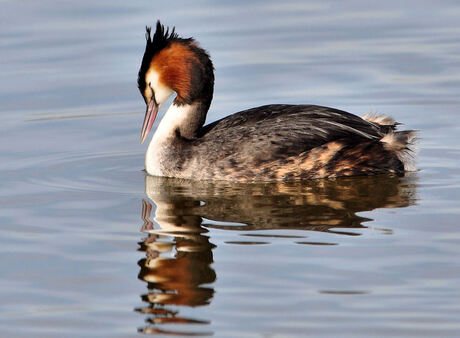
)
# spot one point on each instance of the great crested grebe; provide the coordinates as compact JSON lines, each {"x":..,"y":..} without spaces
{"x":272,"y":142}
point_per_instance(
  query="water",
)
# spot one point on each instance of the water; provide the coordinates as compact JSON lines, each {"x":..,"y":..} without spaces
{"x":90,"y":246}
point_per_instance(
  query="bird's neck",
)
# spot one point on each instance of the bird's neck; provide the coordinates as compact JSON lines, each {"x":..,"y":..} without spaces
{"x":181,"y":121}
{"x":184,"y":120}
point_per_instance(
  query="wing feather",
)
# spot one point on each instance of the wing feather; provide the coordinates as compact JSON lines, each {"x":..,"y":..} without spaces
{"x":279,"y":131}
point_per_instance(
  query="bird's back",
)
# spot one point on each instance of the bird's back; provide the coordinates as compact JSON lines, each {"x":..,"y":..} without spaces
{"x":284,"y":130}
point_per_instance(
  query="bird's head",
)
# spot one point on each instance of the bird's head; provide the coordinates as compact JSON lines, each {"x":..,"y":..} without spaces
{"x":172,"y":65}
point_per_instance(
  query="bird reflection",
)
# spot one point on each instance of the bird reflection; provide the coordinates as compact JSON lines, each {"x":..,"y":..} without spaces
{"x":177,"y":267}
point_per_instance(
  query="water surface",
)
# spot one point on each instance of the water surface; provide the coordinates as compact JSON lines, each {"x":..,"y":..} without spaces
{"x":91,"y":246}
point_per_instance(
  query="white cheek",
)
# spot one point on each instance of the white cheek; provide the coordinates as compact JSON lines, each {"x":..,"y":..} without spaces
{"x":162,"y":92}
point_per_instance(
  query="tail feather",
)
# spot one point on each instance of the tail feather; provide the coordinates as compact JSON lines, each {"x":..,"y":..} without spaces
{"x":380,"y":119}
{"x":403,"y":144}
{"x":385,"y":123}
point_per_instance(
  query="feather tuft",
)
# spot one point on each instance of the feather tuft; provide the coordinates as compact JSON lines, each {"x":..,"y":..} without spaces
{"x":381,"y":119}
{"x":403,"y":144}
{"x":160,"y":40}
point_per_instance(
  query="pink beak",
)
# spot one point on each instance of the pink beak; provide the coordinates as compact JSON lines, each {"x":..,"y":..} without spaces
{"x":150,"y":115}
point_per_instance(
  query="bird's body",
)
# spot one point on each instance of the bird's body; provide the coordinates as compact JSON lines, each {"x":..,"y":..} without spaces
{"x":272,"y":142}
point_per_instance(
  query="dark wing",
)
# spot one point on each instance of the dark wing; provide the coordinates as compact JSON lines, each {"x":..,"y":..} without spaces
{"x":279,"y":131}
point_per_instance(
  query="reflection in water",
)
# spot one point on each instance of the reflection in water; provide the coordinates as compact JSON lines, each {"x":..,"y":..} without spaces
{"x":176,"y":280}
{"x":177,"y":267}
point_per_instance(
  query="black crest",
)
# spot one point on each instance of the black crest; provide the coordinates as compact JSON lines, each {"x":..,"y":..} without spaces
{"x":160,"y":40}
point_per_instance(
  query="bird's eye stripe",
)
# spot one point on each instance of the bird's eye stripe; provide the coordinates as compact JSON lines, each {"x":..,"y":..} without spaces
{"x":153,"y":94}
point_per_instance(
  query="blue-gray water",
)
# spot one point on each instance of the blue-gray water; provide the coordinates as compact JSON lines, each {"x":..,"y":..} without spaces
{"x":90,"y":246}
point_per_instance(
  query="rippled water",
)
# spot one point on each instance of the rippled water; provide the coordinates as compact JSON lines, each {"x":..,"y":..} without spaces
{"x":90,"y":246}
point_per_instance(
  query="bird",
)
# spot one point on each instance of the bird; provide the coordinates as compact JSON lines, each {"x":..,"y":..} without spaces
{"x":274,"y":142}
